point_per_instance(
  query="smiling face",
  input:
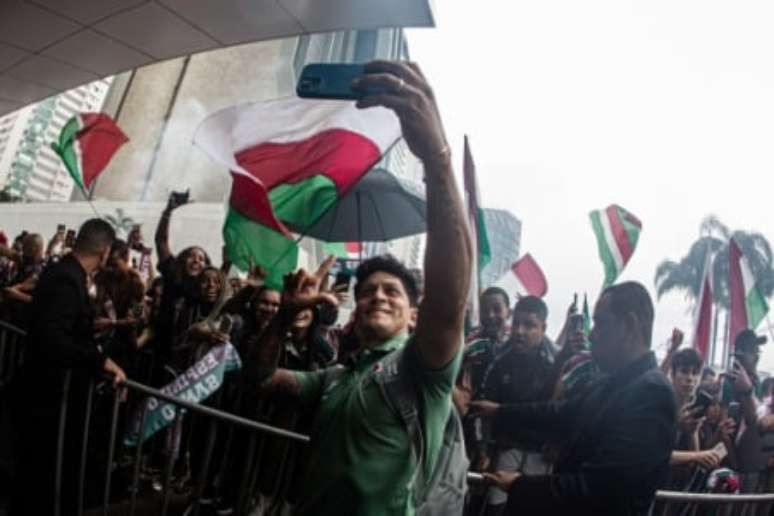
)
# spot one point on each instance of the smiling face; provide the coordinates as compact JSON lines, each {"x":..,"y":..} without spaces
{"x":210,"y":285}
{"x":266,"y":306}
{"x":493,"y":313}
{"x":382,"y":307}
{"x":195,"y":261}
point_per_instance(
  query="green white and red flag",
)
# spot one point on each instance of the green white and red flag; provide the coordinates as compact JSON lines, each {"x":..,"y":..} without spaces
{"x":748,"y":304}
{"x":343,"y":250}
{"x":290,"y":160}
{"x":524,"y":278}
{"x":478,"y":233}
{"x":86,"y":144}
{"x":617,"y":232}
{"x":586,"y":318}
{"x":702,"y":333}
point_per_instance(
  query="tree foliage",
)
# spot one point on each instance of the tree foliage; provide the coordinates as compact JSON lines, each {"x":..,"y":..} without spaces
{"x":686,"y":274}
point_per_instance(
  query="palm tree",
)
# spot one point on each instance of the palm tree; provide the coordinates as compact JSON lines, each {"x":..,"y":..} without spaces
{"x":120,"y":221}
{"x":686,"y":275}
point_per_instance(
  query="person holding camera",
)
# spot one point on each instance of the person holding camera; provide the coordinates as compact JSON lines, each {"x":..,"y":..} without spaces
{"x":363,"y":458}
{"x":180,"y":276}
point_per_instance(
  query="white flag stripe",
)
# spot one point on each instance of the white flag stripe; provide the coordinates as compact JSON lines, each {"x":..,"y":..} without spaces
{"x":610,"y":240}
{"x":292,"y":119}
{"x":748,"y":280}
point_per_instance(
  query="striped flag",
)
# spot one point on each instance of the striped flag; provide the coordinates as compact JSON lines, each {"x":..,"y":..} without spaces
{"x":586,"y":318}
{"x":703,"y":316}
{"x":343,"y":250}
{"x":290,"y":159}
{"x":748,"y":305}
{"x":477,"y":226}
{"x":617,"y":232}
{"x":86,"y":144}
{"x":525,"y":277}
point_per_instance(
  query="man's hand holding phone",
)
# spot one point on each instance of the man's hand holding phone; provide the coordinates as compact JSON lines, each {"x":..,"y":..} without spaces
{"x":742,"y":382}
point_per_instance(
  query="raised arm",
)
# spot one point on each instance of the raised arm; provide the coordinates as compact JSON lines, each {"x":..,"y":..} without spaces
{"x":301,"y":291}
{"x":162,"y":230}
{"x":449,"y":254}
{"x":162,"y":235}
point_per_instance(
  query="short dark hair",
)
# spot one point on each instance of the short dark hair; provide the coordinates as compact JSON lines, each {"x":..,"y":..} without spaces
{"x":496,"y":291}
{"x":532,"y":305}
{"x":119,"y":247}
{"x":264,"y":288}
{"x":687,"y":358}
{"x":94,"y":236}
{"x":391,"y":265}
{"x":632,"y":297}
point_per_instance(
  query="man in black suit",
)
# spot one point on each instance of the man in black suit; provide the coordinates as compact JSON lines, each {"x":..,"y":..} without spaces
{"x":60,"y":338}
{"x":617,"y":440}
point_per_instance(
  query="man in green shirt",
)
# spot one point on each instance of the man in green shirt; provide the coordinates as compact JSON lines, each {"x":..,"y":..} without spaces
{"x":361,"y":458}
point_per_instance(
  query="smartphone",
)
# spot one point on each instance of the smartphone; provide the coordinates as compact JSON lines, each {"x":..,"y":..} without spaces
{"x":60,"y":228}
{"x":225,"y":324}
{"x":735,"y":411}
{"x":703,"y":402}
{"x":332,"y":81}
{"x":181,"y":198}
{"x":343,"y":279}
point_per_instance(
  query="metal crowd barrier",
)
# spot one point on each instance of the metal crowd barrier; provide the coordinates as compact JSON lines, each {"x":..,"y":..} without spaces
{"x":11,"y":352}
{"x":690,"y":504}
{"x":112,"y":501}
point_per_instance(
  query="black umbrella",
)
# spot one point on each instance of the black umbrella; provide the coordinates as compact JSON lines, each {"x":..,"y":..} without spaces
{"x":380,"y":207}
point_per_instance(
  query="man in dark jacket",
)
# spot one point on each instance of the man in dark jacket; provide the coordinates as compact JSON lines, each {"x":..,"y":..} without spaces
{"x":60,"y":339}
{"x":618,"y":438}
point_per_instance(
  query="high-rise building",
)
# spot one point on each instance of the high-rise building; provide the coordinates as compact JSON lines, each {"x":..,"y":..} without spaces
{"x":28,"y":167}
{"x":503,"y":230}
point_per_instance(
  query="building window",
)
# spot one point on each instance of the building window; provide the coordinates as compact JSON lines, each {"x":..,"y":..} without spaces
{"x":365,"y":46}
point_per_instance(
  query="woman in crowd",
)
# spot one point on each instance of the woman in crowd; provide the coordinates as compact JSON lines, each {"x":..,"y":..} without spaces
{"x":179,"y":275}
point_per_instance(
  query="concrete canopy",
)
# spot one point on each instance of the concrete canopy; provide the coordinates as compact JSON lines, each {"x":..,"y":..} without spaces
{"x":49,"y":46}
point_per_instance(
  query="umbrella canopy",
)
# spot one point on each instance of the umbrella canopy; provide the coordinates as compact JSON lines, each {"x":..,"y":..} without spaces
{"x":380,"y":207}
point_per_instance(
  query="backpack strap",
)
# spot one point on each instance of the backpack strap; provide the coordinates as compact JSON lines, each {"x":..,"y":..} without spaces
{"x":331,"y":376}
{"x":402,"y":397}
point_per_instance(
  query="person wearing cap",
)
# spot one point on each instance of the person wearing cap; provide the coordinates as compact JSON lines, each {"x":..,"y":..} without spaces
{"x":747,"y":352}
{"x":749,"y":447}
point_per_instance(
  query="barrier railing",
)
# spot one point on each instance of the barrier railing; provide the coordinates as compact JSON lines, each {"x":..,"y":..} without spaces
{"x":132,"y":497}
{"x":687,"y":504}
{"x":148,"y":502}
{"x":11,"y":352}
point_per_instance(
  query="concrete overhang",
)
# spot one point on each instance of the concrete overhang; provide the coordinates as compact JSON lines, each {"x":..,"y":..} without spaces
{"x":50,"y":46}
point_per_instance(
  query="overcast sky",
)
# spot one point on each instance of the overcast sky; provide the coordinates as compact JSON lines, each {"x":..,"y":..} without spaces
{"x":666,"y":108}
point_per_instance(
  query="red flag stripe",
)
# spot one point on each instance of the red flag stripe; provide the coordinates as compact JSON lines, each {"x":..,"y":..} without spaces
{"x":342,"y":155}
{"x":619,"y":233}
{"x":738,"y":319}
{"x":99,"y":139}
{"x":703,"y":334}
{"x":530,"y":275}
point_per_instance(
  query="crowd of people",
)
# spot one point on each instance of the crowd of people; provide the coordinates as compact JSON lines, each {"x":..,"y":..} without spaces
{"x":588,"y":423}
